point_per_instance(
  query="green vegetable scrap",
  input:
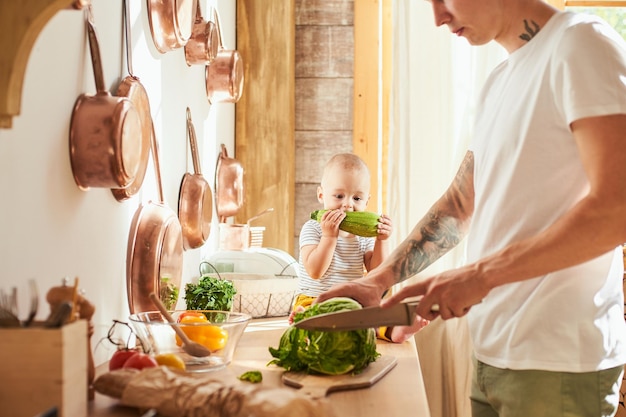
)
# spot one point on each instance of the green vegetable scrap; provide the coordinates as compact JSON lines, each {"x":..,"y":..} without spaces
{"x":330,"y":353}
{"x":168,"y":293}
{"x":210,"y":293}
{"x":252,"y":376}
{"x":360,"y":223}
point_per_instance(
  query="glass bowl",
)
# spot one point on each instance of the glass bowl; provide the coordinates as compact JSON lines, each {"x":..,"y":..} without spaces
{"x":220,"y":331}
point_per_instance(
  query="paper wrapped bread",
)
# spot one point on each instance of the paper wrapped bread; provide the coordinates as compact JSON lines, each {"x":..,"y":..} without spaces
{"x":175,"y":394}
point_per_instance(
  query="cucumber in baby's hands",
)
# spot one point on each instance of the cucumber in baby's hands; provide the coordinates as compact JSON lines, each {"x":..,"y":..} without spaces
{"x":360,"y":223}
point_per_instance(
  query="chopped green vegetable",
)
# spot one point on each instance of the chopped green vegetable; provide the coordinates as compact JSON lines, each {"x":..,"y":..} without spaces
{"x":252,"y":376}
{"x":210,"y":294}
{"x":168,"y":293}
{"x":331,"y":353}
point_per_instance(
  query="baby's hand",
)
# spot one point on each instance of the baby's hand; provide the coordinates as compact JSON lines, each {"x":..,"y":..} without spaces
{"x":384,"y":227}
{"x":298,"y":309}
{"x":400,"y":334}
{"x":330,"y":222}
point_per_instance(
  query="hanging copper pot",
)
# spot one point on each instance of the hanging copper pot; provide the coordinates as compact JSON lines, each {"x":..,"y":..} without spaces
{"x":195,"y":201}
{"x":131,"y":88}
{"x":224,"y":76}
{"x":155,"y":247}
{"x":202,"y":47}
{"x":171,"y":23}
{"x":105,"y":131}
{"x":229,"y":194}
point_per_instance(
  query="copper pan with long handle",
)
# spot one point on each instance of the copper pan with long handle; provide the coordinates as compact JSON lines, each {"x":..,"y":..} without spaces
{"x":229,"y":192}
{"x":195,"y":200}
{"x":105,"y":131}
{"x":155,"y":247}
{"x":131,"y":88}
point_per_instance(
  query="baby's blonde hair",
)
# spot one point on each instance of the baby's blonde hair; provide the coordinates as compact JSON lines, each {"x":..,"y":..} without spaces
{"x":347,"y":162}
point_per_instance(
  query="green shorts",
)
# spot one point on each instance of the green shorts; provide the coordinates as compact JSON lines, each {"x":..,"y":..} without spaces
{"x":530,"y":393}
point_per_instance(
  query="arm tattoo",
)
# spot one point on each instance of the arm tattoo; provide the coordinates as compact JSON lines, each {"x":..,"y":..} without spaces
{"x":442,"y":228}
{"x":530,"y":31}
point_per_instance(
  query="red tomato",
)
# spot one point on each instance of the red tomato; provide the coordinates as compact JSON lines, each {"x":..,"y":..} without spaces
{"x":120,"y":357}
{"x":140,"y":360}
{"x":191,"y":314}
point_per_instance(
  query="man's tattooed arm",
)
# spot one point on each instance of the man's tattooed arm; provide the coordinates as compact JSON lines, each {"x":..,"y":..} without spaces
{"x":443,"y":227}
{"x":530,"y":31}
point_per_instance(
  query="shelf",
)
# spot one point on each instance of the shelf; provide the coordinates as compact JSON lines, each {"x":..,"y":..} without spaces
{"x":21,"y":22}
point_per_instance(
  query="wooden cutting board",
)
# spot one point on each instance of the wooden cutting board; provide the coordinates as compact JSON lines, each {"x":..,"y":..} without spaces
{"x":318,"y":386}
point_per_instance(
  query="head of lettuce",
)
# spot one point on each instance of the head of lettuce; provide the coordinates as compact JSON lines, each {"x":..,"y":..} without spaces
{"x":330,"y":353}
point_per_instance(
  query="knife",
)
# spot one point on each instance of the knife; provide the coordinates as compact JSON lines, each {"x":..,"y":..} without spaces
{"x":401,"y":314}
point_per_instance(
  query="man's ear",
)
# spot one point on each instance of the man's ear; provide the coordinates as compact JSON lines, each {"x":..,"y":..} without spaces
{"x":320,"y":194}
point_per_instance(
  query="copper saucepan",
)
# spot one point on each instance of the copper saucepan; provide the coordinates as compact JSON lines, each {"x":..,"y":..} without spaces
{"x":155,"y":247}
{"x":224,"y":76}
{"x":204,"y":42}
{"x":229,"y":193}
{"x":131,"y":88}
{"x":171,"y":23}
{"x":195,"y":201}
{"x":105,"y":131}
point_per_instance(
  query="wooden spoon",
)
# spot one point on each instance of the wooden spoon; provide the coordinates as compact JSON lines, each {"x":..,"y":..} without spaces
{"x":189,"y":346}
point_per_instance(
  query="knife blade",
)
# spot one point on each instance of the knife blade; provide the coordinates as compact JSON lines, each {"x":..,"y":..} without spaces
{"x":401,"y":314}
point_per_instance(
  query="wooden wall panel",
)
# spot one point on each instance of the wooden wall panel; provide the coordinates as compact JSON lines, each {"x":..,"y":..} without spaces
{"x":324,"y":104}
{"x":324,"y":12}
{"x":314,"y":149}
{"x":265,"y":118}
{"x":324,"y":95}
{"x":324,"y":51}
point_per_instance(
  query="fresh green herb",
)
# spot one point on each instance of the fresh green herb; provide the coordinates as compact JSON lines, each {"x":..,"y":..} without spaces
{"x":331,"y":353}
{"x":210,"y":293}
{"x":168,"y":293}
{"x":252,"y":376}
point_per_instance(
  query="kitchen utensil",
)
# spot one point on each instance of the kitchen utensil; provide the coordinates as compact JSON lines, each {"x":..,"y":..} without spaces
{"x":229,"y":193}
{"x":171,"y":23}
{"x":195,"y":201}
{"x":401,"y":314}
{"x":155,"y":246}
{"x":241,"y":236}
{"x":7,"y":317}
{"x":224,"y":76}
{"x":319,"y":386}
{"x":131,"y":88}
{"x":189,"y":346}
{"x":202,"y":47}
{"x":34,"y":302}
{"x":59,"y":315}
{"x":256,"y":216}
{"x":105,"y":131}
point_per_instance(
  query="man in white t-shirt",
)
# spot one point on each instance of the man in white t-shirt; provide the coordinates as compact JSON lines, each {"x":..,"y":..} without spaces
{"x":541,"y":197}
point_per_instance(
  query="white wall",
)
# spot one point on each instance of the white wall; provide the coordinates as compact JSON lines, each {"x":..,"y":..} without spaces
{"x":49,"y":228}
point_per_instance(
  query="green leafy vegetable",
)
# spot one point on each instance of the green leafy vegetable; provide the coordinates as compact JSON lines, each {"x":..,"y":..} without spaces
{"x":252,"y":376}
{"x":331,"y":353}
{"x":210,"y":294}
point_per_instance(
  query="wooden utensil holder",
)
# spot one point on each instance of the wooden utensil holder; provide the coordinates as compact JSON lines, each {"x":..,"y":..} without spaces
{"x":43,"y":368}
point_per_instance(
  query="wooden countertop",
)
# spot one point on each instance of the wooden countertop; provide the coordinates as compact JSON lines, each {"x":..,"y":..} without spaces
{"x":399,"y":393}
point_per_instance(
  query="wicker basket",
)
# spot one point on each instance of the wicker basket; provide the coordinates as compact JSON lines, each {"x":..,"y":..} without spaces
{"x":260,"y":295}
{"x":263,"y":295}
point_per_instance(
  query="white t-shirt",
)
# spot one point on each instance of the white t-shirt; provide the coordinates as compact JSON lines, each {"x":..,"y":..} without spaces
{"x":347,"y":263}
{"x":527,"y":174}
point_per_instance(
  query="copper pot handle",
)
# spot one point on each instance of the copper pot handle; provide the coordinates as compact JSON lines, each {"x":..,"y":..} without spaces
{"x":194,"y":144}
{"x":216,"y":17}
{"x":154,"y":148}
{"x":94,"y":49}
